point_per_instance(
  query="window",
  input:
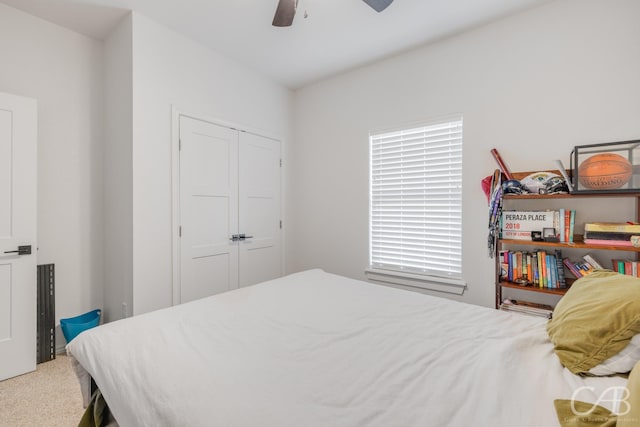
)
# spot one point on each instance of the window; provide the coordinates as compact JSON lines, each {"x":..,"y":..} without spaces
{"x":415,"y":219}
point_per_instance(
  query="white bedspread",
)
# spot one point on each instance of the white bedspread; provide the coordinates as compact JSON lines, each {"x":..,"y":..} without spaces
{"x":316,"y":349}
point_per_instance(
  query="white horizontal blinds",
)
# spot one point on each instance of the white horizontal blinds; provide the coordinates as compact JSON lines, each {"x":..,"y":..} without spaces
{"x":416,"y":200}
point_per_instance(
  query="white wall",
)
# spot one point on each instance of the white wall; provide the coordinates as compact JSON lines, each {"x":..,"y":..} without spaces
{"x":118,"y":172}
{"x":62,"y":70}
{"x":532,"y":85}
{"x":169,"y":69}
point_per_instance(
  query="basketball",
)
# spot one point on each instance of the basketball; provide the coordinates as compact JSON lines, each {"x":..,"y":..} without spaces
{"x":606,"y":171}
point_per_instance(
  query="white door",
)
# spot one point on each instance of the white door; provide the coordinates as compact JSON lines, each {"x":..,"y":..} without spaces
{"x":18,"y":136}
{"x":259,"y":209}
{"x":208,"y":209}
{"x":229,"y":209}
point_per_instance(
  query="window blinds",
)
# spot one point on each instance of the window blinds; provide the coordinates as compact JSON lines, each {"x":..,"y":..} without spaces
{"x":416,"y":200}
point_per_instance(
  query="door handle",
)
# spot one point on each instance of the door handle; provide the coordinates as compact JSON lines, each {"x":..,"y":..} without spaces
{"x":238,"y":237}
{"x":22,"y":250}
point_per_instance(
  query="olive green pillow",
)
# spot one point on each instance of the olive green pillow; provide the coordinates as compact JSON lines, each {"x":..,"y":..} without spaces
{"x":595,"y":319}
{"x":630,"y":408}
{"x":583,"y":414}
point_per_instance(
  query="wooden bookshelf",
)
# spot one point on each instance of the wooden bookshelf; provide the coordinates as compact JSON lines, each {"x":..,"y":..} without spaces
{"x":578,"y":243}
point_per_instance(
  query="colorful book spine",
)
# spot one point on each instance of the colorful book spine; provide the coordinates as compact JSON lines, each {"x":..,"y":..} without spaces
{"x":544,"y":282}
{"x":572,"y":222}
{"x":595,"y":264}
{"x":536,"y":273}
{"x":572,"y":268}
{"x":625,"y":266}
{"x":562,"y":282}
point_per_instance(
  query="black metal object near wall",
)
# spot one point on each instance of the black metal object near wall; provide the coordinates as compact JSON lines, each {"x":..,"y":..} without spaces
{"x":46,"y":347}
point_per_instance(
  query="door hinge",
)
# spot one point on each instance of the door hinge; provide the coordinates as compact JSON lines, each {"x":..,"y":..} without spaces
{"x":280,"y":162}
{"x":179,"y":144}
{"x":180,"y":231}
{"x":280,"y":224}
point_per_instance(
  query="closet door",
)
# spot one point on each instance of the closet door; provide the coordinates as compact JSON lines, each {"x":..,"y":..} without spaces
{"x":259,"y":209}
{"x":208,"y":209}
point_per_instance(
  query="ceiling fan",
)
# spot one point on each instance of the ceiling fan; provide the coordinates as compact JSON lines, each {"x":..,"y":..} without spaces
{"x":287,"y":9}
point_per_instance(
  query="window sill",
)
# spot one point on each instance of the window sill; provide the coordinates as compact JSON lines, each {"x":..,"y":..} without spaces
{"x":433,"y":283}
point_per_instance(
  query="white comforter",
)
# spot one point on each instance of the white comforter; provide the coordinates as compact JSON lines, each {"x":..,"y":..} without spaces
{"x":316,"y":349}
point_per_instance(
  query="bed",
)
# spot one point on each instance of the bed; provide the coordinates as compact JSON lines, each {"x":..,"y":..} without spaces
{"x":317,"y":349}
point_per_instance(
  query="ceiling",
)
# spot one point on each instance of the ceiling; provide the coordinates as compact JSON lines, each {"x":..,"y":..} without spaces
{"x":336,"y":35}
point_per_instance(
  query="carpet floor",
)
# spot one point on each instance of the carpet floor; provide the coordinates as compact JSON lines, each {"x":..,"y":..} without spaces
{"x":50,"y":397}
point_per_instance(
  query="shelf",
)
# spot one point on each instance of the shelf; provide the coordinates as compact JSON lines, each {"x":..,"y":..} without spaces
{"x":532,"y":288}
{"x":581,"y":194}
{"x":568,"y":196}
{"x":578,"y":244}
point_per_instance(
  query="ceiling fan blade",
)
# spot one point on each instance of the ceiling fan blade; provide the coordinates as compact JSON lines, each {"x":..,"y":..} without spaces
{"x":378,"y":5}
{"x":284,"y":13}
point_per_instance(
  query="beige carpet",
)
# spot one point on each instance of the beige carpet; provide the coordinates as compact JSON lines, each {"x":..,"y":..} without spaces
{"x":50,"y":397}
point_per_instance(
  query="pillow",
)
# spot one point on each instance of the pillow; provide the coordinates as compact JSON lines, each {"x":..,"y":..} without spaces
{"x":595,"y":320}
{"x":630,"y":409}
{"x":597,"y":416}
{"x":620,"y":363}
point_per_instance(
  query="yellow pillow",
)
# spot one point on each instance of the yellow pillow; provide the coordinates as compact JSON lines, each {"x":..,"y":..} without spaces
{"x":630,"y":411}
{"x":595,"y":319}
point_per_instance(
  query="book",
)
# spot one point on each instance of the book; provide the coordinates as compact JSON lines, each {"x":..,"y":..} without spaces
{"x":595,"y":264}
{"x":615,"y":227}
{"x":608,"y":242}
{"x":551,"y":268}
{"x":542,"y":256}
{"x":572,"y":222}
{"x":585,"y":268}
{"x":572,"y":268}
{"x":529,"y":308}
{"x":567,"y":222}
{"x":562,"y":282}
{"x":560,"y":230}
{"x":608,"y":235}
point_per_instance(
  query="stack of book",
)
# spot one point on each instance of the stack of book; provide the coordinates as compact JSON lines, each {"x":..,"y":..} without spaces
{"x":537,"y":268}
{"x":610,"y":233}
{"x":581,"y":268}
{"x":530,"y":308}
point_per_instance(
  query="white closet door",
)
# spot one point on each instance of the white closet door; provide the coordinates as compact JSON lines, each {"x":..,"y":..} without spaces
{"x":208,"y":209}
{"x":259,"y":201}
{"x":18,"y":217}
